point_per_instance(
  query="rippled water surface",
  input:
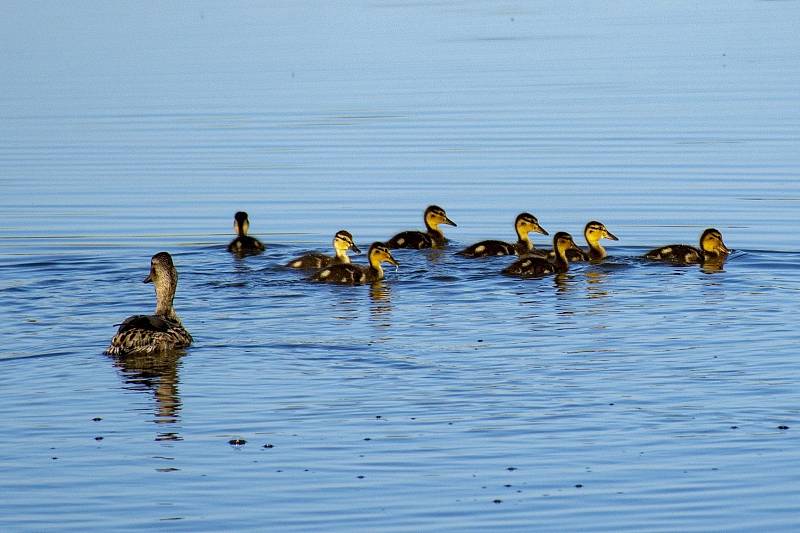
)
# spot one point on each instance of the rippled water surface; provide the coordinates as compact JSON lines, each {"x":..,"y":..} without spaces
{"x":621,"y":396}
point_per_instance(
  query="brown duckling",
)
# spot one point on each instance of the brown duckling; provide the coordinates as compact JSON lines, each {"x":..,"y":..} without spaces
{"x":159,"y":332}
{"x":356,"y":274}
{"x":244,"y":244}
{"x":592,"y":232}
{"x":432,"y":237}
{"x":524,"y":224}
{"x":712,"y":249}
{"x":342,"y":242}
{"x":531,"y":266}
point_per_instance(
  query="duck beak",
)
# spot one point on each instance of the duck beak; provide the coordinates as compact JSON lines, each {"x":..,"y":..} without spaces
{"x":573,"y":245}
{"x":538,"y":229}
{"x":449,"y":222}
{"x":392,"y":260}
{"x":722,"y":248}
{"x":149,"y":278}
{"x":354,"y":248}
{"x":609,"y":235}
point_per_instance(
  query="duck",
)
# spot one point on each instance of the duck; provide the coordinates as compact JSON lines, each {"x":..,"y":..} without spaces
{"x":532,"y":266}
{"x":162,"y":331}
{"x":432,"y":237}
{"x":523,"y":224}
{"x":592,"y":232}
{"x":712,"y":249}
{"x":342,"y":242}
{"x":346,"y":273}
{"x":244,"y":244}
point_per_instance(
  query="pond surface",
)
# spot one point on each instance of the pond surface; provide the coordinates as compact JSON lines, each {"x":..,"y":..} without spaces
{"x":622,"y":396}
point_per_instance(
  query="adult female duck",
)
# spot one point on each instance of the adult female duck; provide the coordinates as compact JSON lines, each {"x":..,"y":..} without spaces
{"x":432,"y":237}
{"x":355,"y":274}
{"x":524,"y":224}
{"x":159,"y":332}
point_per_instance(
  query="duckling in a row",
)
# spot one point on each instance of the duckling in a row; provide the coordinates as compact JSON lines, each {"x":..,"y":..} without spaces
{"x":532,"y":266}
{"x":524,"y":224}
{"x":712,"y":249}
{"x":244,"y":244}
{"x":592,"y":232}
{"x":432,"y":237}
{"x":342,"y":242}
{"x":356,"y":274}
{"x":159,"y":332}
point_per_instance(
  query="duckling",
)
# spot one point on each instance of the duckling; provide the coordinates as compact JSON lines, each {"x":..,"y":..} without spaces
{"x":524,"y":224}
{"x":711,"y":249}
{"x":531,"y":266}
{"x":592,"y":232}
{"x":342,"y":242}
{"x":244,"y":244}
{"x":355,"y":274}
{"x":431,"y":238}
{"x":159,"y":332}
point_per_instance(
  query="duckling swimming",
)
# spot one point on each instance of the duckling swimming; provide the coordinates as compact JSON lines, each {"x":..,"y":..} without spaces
{"x":355,"y":274}
{"x":342,"y":242}
{"x":592,"y":232}
{"x":244,"y":244}
{"x":531,"y":266}
{"x":159,"y":332}
{"x":431,"y":238}
{"x":524,"y":224}
{"x":712,"y":249}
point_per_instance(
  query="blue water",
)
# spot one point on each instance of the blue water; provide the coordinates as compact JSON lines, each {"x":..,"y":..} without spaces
{"x":622,"y":396}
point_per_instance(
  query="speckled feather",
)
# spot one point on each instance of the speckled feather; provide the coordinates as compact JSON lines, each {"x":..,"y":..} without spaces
{"x":416,"y":240}
{"x":348,"y":274}
{"x":677,"y":253}
{"x":148,"y":334}
{"x":494,"y":248}
{"x":245,"y":244}
{"x":530,"y":267}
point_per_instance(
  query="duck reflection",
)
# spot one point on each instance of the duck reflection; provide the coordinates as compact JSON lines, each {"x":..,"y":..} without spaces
{"x":595,"y":280}
{"x":380,"y":308}
{"x":713,"y":265}
{"x":157,"y":374}
{"x":563,"y":283}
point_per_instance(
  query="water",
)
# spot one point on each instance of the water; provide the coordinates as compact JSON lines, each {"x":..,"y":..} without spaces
{"x":624,"y":396}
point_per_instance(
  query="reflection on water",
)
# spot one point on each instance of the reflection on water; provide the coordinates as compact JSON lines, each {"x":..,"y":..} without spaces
{"x":380,"y":309}
{"x":156,"y":374}
{"x":595,"y":280}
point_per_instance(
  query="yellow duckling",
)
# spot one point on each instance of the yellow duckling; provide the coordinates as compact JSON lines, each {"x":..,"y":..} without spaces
{"x":592,"y":232}
{"x":432,"y":237}
{"x":244,"y":244}
{"x":159,"y":332}
{"x":342,"y":242}
{"x":355,"y":274}
{"x":524,"y":224}
{"x":531,"y":266}
{"x":712,"y":249}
